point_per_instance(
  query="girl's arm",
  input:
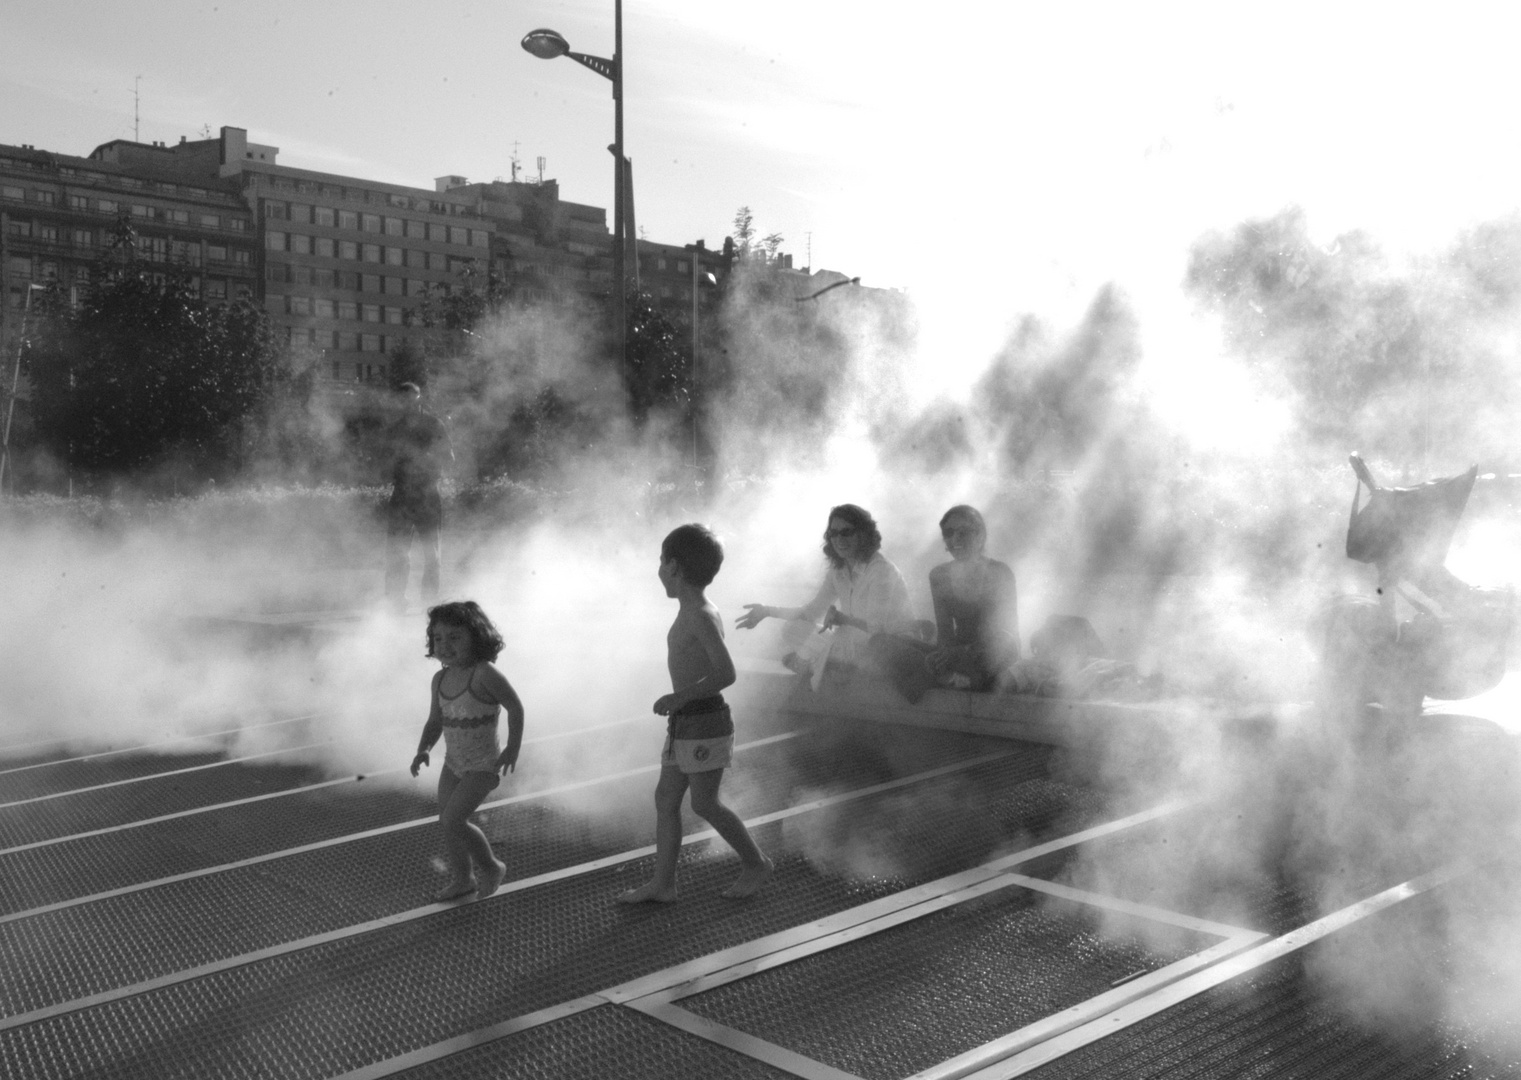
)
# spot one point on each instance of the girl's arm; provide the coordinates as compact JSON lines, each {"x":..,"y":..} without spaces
{"x":498,"y":689}
{"x":432,"y":729}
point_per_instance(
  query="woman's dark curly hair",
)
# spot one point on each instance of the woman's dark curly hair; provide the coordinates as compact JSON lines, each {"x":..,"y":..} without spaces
{"x":862,"y":522}
{"x":486,"y":643}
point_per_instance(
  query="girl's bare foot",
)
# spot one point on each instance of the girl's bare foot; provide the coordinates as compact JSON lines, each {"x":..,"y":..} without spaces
{"x":491,"y":879}
{"x":750,"y":880}
{"x":650,"y":892}
{"x":455,"y":889}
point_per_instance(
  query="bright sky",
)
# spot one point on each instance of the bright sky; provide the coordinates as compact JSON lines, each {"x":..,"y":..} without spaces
{"x":994,"y":158}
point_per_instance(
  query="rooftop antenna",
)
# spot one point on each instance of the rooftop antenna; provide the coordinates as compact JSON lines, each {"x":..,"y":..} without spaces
{"x":809,"y":249}
{"x":515,"y":145}
{"x":136,"y":112}
{"x":541,"y":170}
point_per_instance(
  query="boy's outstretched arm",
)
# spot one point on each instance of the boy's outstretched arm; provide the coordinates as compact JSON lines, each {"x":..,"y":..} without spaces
{"x":432,"y":729}
{"x":497,"y":685}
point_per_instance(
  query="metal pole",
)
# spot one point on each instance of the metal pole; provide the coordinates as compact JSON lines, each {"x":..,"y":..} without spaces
{"x":10,"y":408}
{"x":620,"y":315}
{"x":697,"y":250}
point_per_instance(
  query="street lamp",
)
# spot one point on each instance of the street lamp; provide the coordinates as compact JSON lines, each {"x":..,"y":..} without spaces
{"x":10,"y":408}
{"x":547,"y":45}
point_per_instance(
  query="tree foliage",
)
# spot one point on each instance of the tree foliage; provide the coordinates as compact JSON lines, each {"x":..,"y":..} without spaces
{"x":144,"y":371}
{"x":659,"y":371}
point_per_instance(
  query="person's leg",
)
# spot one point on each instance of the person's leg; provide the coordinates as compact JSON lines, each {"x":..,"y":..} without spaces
{"x":398,"y":560}
{"x":430,"y":539}
{"x":460,"y":882}
{"x":470,"y":843}
{"x":707,"y":805}
{"x":669,"y":792}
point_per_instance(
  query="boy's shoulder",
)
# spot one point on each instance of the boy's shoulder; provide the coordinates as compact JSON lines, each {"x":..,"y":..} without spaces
{"x":699,"y":609}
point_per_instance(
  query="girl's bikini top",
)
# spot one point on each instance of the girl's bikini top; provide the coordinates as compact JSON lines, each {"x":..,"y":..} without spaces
{"x":465,"y":709}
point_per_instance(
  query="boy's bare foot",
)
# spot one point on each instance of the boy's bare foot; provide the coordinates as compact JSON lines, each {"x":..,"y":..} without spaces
{"x":750,"y":880}
{"x":454,"y":890}
{"x":649,"y":893}
{"x":491,"y":879}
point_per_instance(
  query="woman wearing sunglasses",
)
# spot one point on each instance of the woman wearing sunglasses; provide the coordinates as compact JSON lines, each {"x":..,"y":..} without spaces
{"x":863,"y":594}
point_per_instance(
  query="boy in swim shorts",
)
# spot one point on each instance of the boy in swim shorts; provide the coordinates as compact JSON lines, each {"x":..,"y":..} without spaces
{"x":700,"y":733}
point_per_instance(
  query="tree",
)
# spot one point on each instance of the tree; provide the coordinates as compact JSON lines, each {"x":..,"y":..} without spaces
{"x":144,"y":372}
{"x":746,"y":244}
{"x":659,"y":365}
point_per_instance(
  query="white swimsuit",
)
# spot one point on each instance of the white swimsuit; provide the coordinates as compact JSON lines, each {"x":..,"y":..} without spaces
{"x":470,"y":742}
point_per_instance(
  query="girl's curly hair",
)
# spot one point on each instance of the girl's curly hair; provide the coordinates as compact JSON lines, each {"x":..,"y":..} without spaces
{"x":486,"y":643}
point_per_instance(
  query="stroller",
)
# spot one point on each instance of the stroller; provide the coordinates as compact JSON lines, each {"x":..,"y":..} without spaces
{"x":1426,"y":633}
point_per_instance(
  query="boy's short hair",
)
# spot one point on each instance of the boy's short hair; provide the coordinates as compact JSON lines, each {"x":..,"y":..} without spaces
{"x":696,"y":551}
{"x":486,"y":641}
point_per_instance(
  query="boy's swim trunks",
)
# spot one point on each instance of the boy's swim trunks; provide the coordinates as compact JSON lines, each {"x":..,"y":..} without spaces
{"x":700,"y":736}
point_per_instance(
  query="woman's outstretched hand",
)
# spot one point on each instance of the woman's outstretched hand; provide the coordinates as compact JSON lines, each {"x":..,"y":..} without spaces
{"x":752,"y":617}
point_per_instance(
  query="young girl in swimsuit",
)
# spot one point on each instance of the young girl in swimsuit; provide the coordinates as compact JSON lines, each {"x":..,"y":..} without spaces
{"x":467,"y":695}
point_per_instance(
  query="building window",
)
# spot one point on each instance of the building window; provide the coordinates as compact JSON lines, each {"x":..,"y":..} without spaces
{"x":138,"y":210}
{"x":300,"y":243}
{"x":300,"y":305}
{"x":155,"y":247}
{"x":348,"y":219}
{"x":416,"y":286}
{"x":241,"y":257}
{"x":372,"y":253}
{"x":369,"y":343}
{"x":275,"y":271}
{"x":437,"y":261}
{"x":301,"y":212}
{"x":275,"y":241}
{"x":439,"y":233}
{"x":78,"y":202}
{"x":349,"y":280}
{"x":395,"y":285}
{"x":210,"y":221}
{"x":394,"y":227}
{"x":18,"y":228}
{"x":49,"y":270}
{"x":301,"y":275}
{"x":216,"y":253}
{"x":480,"y":238}
{"x":337,"y":370}
{"x":399,"y":200}
{"x":322,"y":308}
{"x":276,"y":211}
{"x":393,"y":313}
{"x":323,"y":246}
{"x":323,"y":277}
{"x":216,"y":289}
{"x":188,"y":252}
{"x":46,"y":198}
{"x":371,"y":222}
{"x":179,"y":217}
{"x":371,"y":312}
{"x":323,"y":215}
{"x":371,"y":283}
{"x":83,"y":238}
{"x":416,"y":230}
{"x":108,"y":206}
{"x":347,"y":249}
{"x":237,"y":224}
{"x":348,"y":309}
{"x":394,"y":256}
{"x":348,"y":342}
{"x":10,"y":192}
{"x":458,"y":235}
{"x":18,"y":266}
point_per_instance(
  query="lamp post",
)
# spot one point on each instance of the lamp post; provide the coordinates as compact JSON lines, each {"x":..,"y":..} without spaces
{"x":546,"y":45}
{"x":10,"y":408}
